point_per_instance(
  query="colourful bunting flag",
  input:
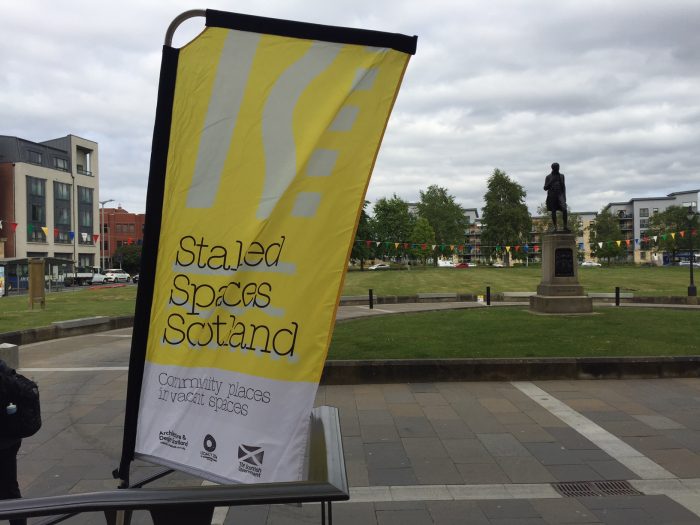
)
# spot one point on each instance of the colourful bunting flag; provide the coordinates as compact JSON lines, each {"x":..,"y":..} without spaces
{"x":14,"y":226}
{"x":682,"y":233}
{"x":627,"y":242}
{"x":45,"y":230}
{"x":55,"y":232}
{"x":0,"y":224}
{"x":368,"y":243}
{"x":434,"y":245}
{"x":618,"y":243}
{"x":71,"y":235}
{"x":423,"y":246}
{"x":673,"y":235}
{"x":30,"y":228}
{"x":508,"y":249}
{"x":396,"y":245}
{"x":537,"y":248}
{"x":406,"y":246}
{"x":600,"y":245}
{"x":377,"y":243}
{"x":95,"y":237}
{"x":655,"y":237}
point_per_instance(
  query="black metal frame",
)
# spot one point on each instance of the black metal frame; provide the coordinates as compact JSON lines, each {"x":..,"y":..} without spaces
{"x":326,"y":482}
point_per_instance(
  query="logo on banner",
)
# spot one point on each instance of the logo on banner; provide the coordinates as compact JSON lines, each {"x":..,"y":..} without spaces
{"x":209,"y":448}
{"x":250,"y":460}
{"x":172,"y":439}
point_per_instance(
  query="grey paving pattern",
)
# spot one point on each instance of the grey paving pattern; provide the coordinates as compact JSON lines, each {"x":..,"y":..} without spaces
{"x":433,"y":453}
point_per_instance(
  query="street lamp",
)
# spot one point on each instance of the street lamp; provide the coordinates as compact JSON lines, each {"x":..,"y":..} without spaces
{"x":102,"y":242}
{"x":692,"y":291}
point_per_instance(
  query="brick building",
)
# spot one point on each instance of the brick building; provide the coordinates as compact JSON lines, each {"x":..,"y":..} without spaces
{"x":120,"y":228}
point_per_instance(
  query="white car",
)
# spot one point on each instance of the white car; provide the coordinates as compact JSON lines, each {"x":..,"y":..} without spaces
{"x":116,"y":275}
{"x":379,"y":266}
{"x":591,"y":264}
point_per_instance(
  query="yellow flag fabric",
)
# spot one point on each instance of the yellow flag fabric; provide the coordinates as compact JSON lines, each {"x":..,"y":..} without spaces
{"x":272,"y":143}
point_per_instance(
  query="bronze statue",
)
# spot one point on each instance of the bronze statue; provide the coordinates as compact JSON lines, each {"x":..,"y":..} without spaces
{"x":556,"y":196}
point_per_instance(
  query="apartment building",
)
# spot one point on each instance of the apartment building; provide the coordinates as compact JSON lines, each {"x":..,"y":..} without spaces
{"x":634,"y":218}
{"x":49,"y":194}
{"x":120,"y":228}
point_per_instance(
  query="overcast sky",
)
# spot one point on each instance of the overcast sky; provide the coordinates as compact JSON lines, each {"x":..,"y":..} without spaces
{"x":609,"y":89}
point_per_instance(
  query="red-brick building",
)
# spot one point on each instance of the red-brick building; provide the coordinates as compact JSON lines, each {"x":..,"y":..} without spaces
{"x":119,"y":228}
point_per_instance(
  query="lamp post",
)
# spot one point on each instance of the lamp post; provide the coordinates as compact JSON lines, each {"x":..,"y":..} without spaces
{"x":102,"y":242}
{"x":692,"y":291}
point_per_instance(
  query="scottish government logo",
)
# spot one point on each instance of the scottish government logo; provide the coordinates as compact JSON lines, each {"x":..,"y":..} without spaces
{"x":250,"y":460}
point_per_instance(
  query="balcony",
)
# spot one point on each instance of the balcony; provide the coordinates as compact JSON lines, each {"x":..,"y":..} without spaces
{"x":82,"y":171}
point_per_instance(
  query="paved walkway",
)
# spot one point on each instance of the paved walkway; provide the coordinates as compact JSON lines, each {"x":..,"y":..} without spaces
{"x":433,"y":453}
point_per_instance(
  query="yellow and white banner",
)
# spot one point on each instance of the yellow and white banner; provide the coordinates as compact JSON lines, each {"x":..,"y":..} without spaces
{"x":272,"y":142}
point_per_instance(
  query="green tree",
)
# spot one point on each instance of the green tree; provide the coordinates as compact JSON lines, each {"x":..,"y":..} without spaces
{"x":605,"y":232}
{"x":422,"y":235}
{"x":444,"y":215}
{"x":129,"y":255}
{"x":666,"y":226}
{"x":392,"y":221}
{"x":360,"y":251}
{"x":505,"y":218}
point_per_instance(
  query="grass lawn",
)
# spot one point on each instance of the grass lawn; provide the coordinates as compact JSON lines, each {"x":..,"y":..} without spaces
{"x":671,"y":280}
{"x":77,"y":303}
{"x":85,"y":302}
{"x":514,"y":332}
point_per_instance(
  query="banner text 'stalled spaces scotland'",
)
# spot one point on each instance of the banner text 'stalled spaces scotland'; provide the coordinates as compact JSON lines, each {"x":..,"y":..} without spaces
{"x":198,"y":326}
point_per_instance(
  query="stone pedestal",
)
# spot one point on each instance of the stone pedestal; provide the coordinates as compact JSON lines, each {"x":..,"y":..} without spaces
{"x":560,"y":292}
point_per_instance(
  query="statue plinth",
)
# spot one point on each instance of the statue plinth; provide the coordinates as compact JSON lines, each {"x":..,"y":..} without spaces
{"x":560,"y":292}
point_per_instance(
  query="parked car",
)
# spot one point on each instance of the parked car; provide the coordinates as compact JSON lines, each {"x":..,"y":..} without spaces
{"x":135,"y":279}
{"x":687,"y":263}
{"x":591,"y":264}
{"x":465,"y":265}
{"x":98,"y":278}
{"x":498,"y":265}
{"x":116,"y":275}
{"x":379,"y":266}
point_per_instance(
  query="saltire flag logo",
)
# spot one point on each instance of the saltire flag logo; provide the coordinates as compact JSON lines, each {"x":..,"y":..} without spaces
{"x":266,"y":134}
{"x":252,"y":455}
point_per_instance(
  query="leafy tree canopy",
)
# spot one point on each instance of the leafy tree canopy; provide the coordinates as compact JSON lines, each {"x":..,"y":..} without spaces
{"x":392,"y":221}
{"x":423,"y":233}
{"x":505,"y":217}
{"x":606,"y":230}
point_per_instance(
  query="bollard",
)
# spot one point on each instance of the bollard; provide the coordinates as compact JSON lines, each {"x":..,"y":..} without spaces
{"x":371,"y":299}
{"x":488,"y":296}
{"x":617,"y":296}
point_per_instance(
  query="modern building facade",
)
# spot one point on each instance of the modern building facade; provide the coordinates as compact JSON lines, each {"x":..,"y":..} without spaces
{"x":49,"y":194}
{"x":634,"y":215}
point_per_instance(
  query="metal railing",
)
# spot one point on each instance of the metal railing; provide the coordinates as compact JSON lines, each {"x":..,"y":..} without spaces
{"x":326,"y":482}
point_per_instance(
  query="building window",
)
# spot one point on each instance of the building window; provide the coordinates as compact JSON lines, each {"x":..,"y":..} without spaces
{"x":62,"y":212}
{"x":36,"y":213}
{"x":34,"y":157}
{"x":36,"y":209}
{"x":655,"y":211}
{"x":86,"y":260}
{"x":131,"y":228}
{"x":643,"y":223}
{"x":644,"y":212}
{"x":61,"y":191}
{"x":60,"y":164}
{"x":36,"y":187}
{"x":643,"y":255}
{"x":85,"y":218}
{"x":84,"y":195}
{"x":120,"y":228}
{"x":84,"y":161}
{"x":688,"y":204}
